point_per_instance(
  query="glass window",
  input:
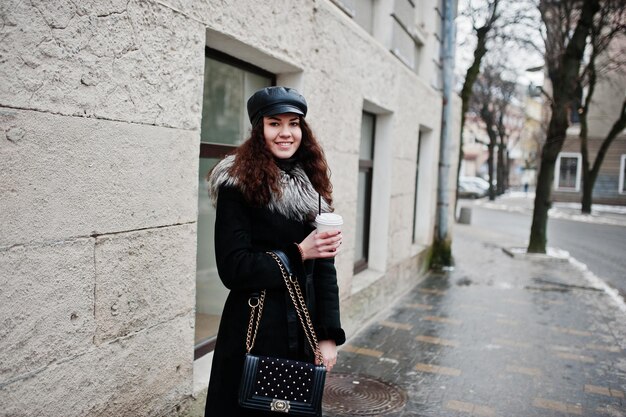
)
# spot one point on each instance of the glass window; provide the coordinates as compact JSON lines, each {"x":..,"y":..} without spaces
{"x":362,"y":11}
{"x":227,"y":85}
{"x":226,"y":89}
{"x":404,"y":44}
{"x":210,"y":293}
{"x":364,"y":14}
{"x":417,"y":171}
{"x":364,"y":196}
{"x":568,"y":172}
{"x":405,"y":12}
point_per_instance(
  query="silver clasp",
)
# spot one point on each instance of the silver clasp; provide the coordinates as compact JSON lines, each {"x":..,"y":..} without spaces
{"x":281,"y":406}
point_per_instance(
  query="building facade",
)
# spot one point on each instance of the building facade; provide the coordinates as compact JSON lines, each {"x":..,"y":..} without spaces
{"x":113,"y":113}
{"x":606,"y":106}
{"x":610,"y":185}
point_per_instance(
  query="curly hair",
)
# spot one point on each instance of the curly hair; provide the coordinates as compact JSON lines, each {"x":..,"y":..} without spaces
{"x":255,"y":170}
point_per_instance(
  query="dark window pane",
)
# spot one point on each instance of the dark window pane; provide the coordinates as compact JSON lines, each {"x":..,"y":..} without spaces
{"x":360,"y":216}
{"x":417,"y":170}
{"x":567,"y":172}
{"x":364,"y":190}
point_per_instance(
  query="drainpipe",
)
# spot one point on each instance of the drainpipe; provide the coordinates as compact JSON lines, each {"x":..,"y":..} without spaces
{"x":442,"y":252}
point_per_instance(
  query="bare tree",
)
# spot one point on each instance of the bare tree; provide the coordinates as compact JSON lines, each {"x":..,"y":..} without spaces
{"x":484,"y":19}
{"x":496,"y":24}
{"x":605,"y":58}
{"x":491,"y":100}
{"x":509,"y":126}
{"x":567,"y":25}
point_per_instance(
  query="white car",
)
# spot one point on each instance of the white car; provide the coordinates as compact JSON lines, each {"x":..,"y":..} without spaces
{"x":472,"y":189}
{"x":476,"y":181}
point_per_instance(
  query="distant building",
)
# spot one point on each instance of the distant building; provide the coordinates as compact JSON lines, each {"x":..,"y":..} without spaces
{"x":476,"y":145}
{"x":113,"y":112}
{"x":475,"y":152}
{"x":610,"y":186}
{"x":527,"y":149}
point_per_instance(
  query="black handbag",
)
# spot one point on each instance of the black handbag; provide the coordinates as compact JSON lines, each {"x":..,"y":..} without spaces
{"x":276,"y":384}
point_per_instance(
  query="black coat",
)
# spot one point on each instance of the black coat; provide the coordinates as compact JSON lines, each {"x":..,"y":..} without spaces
{"x":243,"y":234}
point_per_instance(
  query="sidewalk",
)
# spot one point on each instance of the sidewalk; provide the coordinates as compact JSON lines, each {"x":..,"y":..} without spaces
{"x":518,"y":201}
{"x":497,"y":336}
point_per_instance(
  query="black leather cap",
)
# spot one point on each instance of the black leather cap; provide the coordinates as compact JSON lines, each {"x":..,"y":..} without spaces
{"x":275,"y":100}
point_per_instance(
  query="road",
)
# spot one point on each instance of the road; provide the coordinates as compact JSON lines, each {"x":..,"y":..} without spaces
{"x":601,"y":247}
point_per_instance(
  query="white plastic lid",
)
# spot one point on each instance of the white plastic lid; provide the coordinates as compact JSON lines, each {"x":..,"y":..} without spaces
{"x":330,"y":219}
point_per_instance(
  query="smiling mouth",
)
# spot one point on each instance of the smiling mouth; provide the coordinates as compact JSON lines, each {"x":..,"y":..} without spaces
{"x":284,"y":144}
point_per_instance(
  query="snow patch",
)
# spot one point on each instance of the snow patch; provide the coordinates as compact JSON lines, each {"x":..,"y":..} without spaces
{"x":598,"y":282}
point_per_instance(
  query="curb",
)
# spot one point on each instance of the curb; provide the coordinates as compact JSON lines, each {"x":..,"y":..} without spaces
{"x":552,"y":254}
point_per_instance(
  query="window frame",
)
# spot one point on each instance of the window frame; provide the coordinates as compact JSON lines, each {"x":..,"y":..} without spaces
{"x":557,"y":172}
{"x":220,"y":150}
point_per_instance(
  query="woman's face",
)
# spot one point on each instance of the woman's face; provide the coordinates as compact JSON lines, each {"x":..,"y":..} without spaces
{"x":282,"y":134}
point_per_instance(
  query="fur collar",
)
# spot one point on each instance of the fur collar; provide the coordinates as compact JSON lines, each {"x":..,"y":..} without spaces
{"x":299,"y":199}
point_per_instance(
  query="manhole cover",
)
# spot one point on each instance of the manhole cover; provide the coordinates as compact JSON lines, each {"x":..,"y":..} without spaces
{"x":358,"y":395}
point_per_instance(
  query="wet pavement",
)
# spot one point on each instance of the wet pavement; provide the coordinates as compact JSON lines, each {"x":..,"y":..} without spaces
{"x":498,"y":336}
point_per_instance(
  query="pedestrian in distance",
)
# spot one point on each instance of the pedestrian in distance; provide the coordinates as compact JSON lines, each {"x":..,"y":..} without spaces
{"x":267,"y":195}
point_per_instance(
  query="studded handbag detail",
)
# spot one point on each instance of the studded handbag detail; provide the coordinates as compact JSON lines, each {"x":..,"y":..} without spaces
{"x":276,"y":384}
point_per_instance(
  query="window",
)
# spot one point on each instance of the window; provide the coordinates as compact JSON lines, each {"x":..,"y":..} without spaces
{"x":364,"y":14}
{"x":228,"y":83}
{"x":362,"y":11}
{"x":622,"y":175}
{"x":415,"y":199}
{"x":568,"y":171}
{"x":424,"y":204}
{"x":364,"y":195}
{"x":576,"y":105}
{"x":406,"y":43}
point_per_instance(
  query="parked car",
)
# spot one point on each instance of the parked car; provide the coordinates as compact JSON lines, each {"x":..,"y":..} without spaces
{"x":468,"y":188}
{"x":478,"y":182}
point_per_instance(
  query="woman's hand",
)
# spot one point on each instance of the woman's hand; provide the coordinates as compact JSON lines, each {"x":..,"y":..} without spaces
{"x":321,"y":245}
{"x":328,"y":348}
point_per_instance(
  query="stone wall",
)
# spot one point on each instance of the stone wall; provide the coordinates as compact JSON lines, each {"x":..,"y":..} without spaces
{"x":100,"y":108}
{"x":99,"y":117}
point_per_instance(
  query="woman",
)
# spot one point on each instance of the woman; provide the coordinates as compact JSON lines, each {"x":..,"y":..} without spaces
{"x":267,"y":196}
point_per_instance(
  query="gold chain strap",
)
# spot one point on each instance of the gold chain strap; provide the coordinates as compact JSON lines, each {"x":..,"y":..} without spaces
{"x":251,"y":338}
{"x":310,"y":334}
{"x":298,"y":303}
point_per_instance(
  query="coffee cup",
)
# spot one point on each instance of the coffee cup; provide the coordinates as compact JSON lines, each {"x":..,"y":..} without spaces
{"x":328,"y":221}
